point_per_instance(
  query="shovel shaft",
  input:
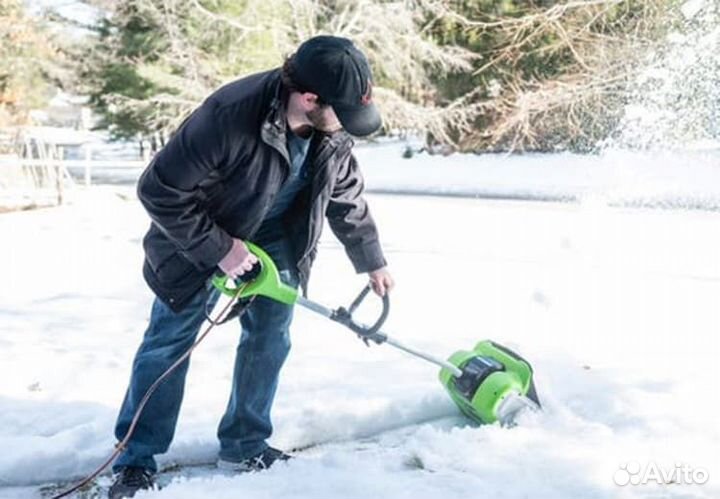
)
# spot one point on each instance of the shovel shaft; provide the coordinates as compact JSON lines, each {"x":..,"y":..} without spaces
{"x":316,"y":307}
{"x":425,"y":356}
{"x":327,"y":312}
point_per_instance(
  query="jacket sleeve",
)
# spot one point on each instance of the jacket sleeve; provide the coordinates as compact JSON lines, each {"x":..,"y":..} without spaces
{"x":350,"y":220}
{"x":169,"y":188}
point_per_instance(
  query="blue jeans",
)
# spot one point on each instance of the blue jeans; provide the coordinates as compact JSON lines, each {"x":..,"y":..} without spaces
{"x":261,"y":352}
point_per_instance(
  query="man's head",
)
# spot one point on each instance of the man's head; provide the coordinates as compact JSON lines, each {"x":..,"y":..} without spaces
{"x":334,"y":83}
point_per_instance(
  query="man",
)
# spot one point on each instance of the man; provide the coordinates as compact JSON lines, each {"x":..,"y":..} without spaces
{"x":266,"y":158}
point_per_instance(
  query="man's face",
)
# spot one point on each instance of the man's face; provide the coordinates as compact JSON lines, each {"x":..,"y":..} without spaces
{"x":323,"y":118}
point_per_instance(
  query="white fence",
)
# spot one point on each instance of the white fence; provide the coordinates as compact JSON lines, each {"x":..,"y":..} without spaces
{"x":33,"y":171}
{"x":27,"y":183}
{"x":25,"y":186}
{"x":86,"y":165}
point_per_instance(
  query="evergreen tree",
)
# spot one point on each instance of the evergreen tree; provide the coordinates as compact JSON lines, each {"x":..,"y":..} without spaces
{"x":472,"y":74}
{"x":153,"y":61}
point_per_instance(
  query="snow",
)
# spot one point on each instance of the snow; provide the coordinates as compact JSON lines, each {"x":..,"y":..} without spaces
{"x":616,"y":308}
{"x":690,"y":8}
{"x":684,"y":179}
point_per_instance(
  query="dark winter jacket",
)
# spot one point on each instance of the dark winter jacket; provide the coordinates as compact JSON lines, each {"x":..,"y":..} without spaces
{"x":216,"y":179}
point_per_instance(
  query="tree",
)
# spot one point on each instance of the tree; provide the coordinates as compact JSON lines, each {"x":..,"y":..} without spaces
{"x":152,"y":61}
{"x":551,"y":75}
{"x":472,"y":74}
{"x":27,"y":52}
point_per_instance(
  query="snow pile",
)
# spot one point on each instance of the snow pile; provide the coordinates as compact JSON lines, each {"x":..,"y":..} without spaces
{"x":617,"y":310}
{"x":660,"y":179}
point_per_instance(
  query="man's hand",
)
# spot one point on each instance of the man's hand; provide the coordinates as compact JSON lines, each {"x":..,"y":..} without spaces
{"x":381,"y":281}
{"x":238,"y":260}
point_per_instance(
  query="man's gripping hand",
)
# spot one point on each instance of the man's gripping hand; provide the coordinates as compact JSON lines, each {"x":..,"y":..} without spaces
{"x":238,"y":260}
{"x":381,"y":281}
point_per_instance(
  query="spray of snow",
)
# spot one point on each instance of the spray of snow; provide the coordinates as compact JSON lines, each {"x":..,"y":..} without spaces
{"x":676,"y":101}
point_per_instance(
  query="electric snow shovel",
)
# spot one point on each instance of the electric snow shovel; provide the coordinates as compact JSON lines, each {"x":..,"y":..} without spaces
{"x":488,"y":383}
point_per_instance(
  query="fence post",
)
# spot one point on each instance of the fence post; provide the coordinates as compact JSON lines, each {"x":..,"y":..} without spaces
{"x":59,"y":175}
{"x":88,"y":164}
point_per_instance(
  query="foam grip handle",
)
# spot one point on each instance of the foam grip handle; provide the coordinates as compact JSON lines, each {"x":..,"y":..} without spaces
{"x":251,"y":275}
{"x":248,"y":275}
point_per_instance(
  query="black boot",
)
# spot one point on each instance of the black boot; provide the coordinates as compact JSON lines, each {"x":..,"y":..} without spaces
{"x":260,"y":462}
{"x":129,"y":480}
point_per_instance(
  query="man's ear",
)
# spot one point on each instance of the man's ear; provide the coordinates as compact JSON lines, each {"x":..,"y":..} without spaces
{"x":309,"y":100}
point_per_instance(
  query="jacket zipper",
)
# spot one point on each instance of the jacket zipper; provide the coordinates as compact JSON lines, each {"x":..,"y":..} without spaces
{"x":316,"y":190}
{"x":272,"y":141}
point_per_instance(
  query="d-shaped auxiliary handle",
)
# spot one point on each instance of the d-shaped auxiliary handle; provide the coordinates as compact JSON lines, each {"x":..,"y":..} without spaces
{"x":366,"y":333}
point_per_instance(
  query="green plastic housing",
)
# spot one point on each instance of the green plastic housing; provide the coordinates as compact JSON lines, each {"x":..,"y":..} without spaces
{"x":483,"y":405}
{"x":267,"y":283}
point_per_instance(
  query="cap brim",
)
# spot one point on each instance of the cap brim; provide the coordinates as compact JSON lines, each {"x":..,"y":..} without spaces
{"x":359,"y":121}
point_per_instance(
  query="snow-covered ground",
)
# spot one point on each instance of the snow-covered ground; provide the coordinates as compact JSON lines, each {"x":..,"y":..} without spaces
{"x":686,"y":179}
{"x":617,"y":308}
{"x":668,"y":179}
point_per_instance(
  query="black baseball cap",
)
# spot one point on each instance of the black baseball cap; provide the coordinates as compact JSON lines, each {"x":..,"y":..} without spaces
{"x":334,"y":68}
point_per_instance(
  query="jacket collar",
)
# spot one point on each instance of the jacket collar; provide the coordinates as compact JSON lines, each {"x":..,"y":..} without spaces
{"x":274,"y":125}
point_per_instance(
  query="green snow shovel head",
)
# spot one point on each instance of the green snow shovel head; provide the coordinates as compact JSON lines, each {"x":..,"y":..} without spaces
{"x":495,"y":383}
{"x":489,"y":383}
